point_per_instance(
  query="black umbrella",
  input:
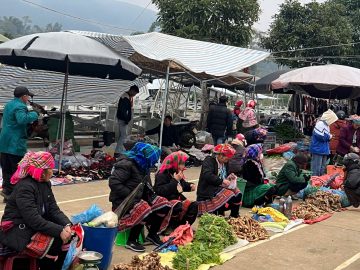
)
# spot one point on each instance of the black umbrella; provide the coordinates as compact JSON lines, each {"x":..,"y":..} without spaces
{"x":263,"y":85}
{"x":69,"y":53}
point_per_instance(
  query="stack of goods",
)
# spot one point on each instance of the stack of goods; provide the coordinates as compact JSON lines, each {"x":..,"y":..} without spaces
{"x":248,"y":229}
{"x":214,"y":234}
{"x":317,"y":205}
{"x":95,"y":217}
{"x":149,"y":262}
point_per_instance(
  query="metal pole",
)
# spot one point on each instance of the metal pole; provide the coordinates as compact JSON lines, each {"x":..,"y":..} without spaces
{"x":164,"y":104}
{"x":63,"y":113}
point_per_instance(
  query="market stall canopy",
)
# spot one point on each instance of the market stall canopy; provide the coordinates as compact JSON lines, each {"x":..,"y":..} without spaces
{"x":263,"y":85}
{"x":216,"y":63}
{"x":3,"y":38}
{"x":327,"y":81}
{"x":51,"y":51}
{"x":48,"y":87}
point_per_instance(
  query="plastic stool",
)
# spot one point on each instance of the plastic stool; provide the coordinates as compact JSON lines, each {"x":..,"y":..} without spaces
{"x":9,"y":262}
{"x":122,"y":237}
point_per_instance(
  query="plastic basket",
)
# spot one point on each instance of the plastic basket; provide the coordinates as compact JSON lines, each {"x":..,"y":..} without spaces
{"x":123,"y":236}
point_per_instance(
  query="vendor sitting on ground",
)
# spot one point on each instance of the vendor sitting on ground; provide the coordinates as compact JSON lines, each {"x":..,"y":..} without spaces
{"x":255,"y":136}
{"x":132,"y":168}
{"x":235,"y":164}
{"x":290,"y":179}
{"x":352,"y":180}
{"x":256,"y":191}
{"x":349,"y":140}
{"x":170,"y":138}
{"x":213,"y":193}
{"x":170,"y":184}
{"x":32,"y":222}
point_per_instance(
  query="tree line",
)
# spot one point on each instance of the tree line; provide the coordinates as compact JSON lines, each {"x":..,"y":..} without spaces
{"x":13,"y":27}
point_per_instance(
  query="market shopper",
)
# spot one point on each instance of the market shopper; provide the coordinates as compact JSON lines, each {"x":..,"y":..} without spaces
{"x":257,"y":192}
{"x":32,"y":222}
{"x":131,"y":169}
{"x":170,"y":138}
{"x":249,"y":118}
{"x":349,"y":140}
{"x":235,"y":163}
{"x":124,"y":116}
{"x":13,"y":136}
{"x":236,"y":112}
{"x":170,"y":183}
{"x":320,"y":142}
{"x":215,"y":193}
{"x":220,"y":121}
{"x":290,"y":179}
{"x":352,"y":178}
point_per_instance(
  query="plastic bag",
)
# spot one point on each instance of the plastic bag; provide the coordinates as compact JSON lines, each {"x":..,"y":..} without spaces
{"x":93,"y":212}
{"x":109,"y":219}
{"x":183,"y":235}
{"x":71,"y":254}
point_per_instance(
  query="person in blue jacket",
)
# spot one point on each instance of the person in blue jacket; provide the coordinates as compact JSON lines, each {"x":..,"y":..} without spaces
{"x":13,"y":136}
{"x":320,"y":142}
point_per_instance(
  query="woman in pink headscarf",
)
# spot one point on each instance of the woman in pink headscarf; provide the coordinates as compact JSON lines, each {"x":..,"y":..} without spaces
{"x":248,"y":116}
{"x":170,"y":183}
{"x":32,"y":222}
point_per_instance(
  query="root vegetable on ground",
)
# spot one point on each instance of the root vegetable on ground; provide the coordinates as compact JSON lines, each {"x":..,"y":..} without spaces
{"x":248,"y":229}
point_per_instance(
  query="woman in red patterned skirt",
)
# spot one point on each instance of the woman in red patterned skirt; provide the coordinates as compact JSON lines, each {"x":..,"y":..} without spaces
{"x":216,"y":192}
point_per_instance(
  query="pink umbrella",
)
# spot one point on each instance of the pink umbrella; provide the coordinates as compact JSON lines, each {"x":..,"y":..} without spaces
{"x":327,"y":81}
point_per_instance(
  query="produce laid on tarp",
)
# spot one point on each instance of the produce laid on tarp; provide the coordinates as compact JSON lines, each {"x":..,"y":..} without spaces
{"x":212,"y":236}
{"x":248,"y":229}
{"x":149,"y":262}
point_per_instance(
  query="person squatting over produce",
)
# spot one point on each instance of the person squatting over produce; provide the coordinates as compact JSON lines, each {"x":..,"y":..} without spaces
{"x":32,"y":222}
{"x":216,"y":192}
{"x":352,"y":178}
{"x":170,"y":184}
{"x":256,"y":191}
{"x":132,"y":168}
{"x":290,"y":180}
{"x":320,"y":142}
{"x":239,"y":144}
{"x":255,"y":136}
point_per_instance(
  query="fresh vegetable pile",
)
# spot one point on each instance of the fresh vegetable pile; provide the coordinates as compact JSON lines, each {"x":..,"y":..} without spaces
{"x":213,"y":235}
{"x":150,"y":262}
{"x":317,"y":205}
{"x":248,"y":229}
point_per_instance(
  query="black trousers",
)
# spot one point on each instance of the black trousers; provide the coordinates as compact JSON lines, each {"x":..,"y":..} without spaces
{"x":190,"y":215}
{"x":55,"y":250}
{"x":296,"y":187}
{"x":9,"y":165}
{"x":233,"y":206}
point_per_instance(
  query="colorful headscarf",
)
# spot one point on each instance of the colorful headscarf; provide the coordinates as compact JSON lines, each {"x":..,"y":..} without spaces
{"x":253,"y":152}
{"x":239,"y":140}
{"x":226,"y":149}
{"x":173,"y":160}
{"x":33,"y":164}
{"x":257,"y":135}
{"x":145,"y":155}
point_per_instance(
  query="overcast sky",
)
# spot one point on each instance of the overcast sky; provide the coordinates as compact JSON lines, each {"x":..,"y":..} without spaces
{"x":268,"y":8}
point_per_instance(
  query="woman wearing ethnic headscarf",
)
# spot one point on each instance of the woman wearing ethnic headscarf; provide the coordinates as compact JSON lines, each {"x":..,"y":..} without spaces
{"x":216,"y":192}
{"x":131,"y":169}
{"x":290,"y":179}
{"x":256,"y":191}
{"x":320,"y":142}
{"x":32,"y":222}
{"x":235,"y":163}
{"x":170,"y":183}
{"x":256,"y":136}
{"x":248,"y":116}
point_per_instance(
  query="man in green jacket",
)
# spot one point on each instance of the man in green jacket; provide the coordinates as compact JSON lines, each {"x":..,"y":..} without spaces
{"x":290,"y":179}
{"x":13,"y":136}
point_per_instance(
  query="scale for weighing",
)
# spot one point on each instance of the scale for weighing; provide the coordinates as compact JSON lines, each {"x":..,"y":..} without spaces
{"x":90,"y":260}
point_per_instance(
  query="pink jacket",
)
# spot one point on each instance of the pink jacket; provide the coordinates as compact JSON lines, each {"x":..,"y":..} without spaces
{"x":249,"y":117}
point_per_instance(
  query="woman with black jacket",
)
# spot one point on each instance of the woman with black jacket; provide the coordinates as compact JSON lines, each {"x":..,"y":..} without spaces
{"x":215,"y":193}
{"x":32,"y":222}
{"x":170,"y":183}
{"x":352,"y":178}
{"x":131,"y":169}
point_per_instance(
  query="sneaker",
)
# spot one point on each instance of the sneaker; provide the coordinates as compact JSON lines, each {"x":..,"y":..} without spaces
{"x":135,"y":246}
{"x":155,"y":239}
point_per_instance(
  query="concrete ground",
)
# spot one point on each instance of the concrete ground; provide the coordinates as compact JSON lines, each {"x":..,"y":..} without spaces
{"x":331,"y":244}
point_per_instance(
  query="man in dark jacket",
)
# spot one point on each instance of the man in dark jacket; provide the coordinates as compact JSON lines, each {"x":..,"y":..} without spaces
{"x":352,"y":179}
{"x":13,"y":137}
{"x":170,"y":137}
{"x":220,"y":121}
{"x":124,"y":116}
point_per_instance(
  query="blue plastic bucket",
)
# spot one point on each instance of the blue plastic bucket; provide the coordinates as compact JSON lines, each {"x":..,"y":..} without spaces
{"x":102,"y":241}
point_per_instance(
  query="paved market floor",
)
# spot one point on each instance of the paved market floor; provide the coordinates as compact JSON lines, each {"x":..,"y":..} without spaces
{"x":332,"y":244}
